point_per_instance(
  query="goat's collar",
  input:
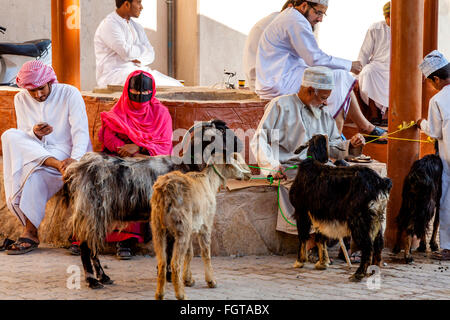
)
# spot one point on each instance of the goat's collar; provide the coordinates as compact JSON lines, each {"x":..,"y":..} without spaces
{"x":220,"y":175}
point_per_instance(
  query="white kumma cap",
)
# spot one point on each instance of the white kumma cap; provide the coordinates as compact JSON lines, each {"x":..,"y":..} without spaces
{"x":324,"y":2}
{"x":433,"y":62}
{"x":319,"y":78}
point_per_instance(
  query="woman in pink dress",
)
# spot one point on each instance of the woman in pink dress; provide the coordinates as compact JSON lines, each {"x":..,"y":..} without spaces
{"x":139,"y":125}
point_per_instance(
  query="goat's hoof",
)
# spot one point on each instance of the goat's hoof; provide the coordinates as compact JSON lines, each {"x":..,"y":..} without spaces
{"x":434,"y":247}
{"x":180,"y":296}
{"x":159,"y":296}
{"x":212,"y":284}
{"x":94,"y":283}
{"x":106,"y":280}
{"x":169,"y":276}
{"x":357,"y":277}
{"x":189,"y":283}
{"x":321,"y":266}
{"x":422,"y":247}
{"x":409,"y":260}
{"x":298,"y":264}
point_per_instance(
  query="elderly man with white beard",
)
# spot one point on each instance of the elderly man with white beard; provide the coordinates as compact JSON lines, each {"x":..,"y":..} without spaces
{"x":289,"y":122}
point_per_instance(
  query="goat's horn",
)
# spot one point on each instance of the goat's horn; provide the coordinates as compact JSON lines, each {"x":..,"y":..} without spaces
{"x":191,"y":129}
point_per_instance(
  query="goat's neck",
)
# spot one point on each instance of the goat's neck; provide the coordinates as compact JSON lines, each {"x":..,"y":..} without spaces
{"x":215,"y":177}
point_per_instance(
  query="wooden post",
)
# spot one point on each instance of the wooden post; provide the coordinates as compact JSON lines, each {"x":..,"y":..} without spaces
{"x":430,"y":43}
{"x":405,"y":102}
{"x":66,"y":41}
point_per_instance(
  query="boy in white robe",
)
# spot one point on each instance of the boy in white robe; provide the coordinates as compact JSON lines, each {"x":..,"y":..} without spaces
{"x":251,"y":45}
{"x":289,"y":122}
{"x":288,"y":46}
{"x":375,"y":57}
{"x":436,"y":69}
{"x":121,"y":47}
{"x":52,"y":132}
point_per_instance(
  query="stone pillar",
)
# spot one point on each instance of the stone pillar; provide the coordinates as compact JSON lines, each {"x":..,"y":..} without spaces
{"x":405,"y":102}
{"x":430,"y":43}
{"x":66,"y":41}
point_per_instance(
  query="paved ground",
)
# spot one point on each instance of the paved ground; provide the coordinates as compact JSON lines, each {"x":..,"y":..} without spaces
{"x":43,"y":274}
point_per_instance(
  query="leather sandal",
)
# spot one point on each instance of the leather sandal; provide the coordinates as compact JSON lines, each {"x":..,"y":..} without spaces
{"x":6,"y":244}
{"x":18,"y":248}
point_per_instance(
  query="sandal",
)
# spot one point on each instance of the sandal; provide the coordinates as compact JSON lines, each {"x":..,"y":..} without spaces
{"x":124,"y":253}
{"x":6,"y":244}
{"x":18,"y":248}
{"x":444,"y":255}
{"x":377,"y":131}
{"x":355,"y":257}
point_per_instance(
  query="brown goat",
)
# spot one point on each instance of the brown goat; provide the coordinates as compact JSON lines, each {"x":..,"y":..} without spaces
{"x":184,"y":205}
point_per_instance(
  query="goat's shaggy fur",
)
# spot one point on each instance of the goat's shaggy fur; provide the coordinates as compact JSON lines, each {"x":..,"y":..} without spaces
{"x":106,"y":191}
{"x":421,"y":194}
{"x":339,"y":202}
{"x":184,"y":205}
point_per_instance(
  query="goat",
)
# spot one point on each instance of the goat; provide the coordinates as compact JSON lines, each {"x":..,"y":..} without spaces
{"x":421,"y":194}
{"x":104,"y":191}
{"x":339,"y":202}
{"x":184,"y":205}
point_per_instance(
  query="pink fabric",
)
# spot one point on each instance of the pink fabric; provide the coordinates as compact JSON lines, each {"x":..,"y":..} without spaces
{"x":35,"y":74}
{"x":147,"y":124}
{"x":135,"y":229}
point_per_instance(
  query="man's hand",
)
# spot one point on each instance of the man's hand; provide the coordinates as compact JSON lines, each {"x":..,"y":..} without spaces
{"x":357,"y":140}
{"x":356,"y":67}
{"x":65,"y":164}
{"x":136,"y":62}
{"x":419,"y":122}
{"x":42,"y":129}
{"x":281,"y":174}
{"x":128,"y":150}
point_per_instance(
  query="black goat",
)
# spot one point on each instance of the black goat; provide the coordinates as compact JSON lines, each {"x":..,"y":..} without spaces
{"x":421,"y":194}
{"x":104,"y":191}
{"x":339,"y":202}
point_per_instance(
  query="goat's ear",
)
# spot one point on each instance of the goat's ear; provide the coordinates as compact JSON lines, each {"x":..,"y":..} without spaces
{"x":237,"y":161}
{"x":301,"y":148}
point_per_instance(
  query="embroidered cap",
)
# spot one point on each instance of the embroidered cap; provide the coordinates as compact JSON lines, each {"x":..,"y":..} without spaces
{"x":318,"y":78}
{"x":324,"y":2}
{"x":433,"y":62}
{"x":387,"y":9}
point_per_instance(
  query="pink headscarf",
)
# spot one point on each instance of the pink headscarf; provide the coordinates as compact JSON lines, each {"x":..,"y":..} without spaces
{"x":147,"y":124}
{"x":35,"y":74}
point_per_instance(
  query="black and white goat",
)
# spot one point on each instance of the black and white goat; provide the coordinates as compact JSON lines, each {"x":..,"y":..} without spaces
{"x":184,"y":206}
{"x":339,"y":202}
{"x":105,"y":191}
{"x":421,"y":194}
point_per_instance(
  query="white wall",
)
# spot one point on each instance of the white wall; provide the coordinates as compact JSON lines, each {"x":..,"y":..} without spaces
{"x":31,"y":19}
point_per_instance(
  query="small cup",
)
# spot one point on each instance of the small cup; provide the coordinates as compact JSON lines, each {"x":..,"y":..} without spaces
{"x":241,"y":83}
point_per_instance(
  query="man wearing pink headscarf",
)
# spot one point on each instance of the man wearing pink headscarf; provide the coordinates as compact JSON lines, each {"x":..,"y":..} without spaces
{"x":52,"y":132}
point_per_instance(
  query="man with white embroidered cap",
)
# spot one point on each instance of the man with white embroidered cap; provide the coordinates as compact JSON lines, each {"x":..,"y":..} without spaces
{"x":52,"y":132}
{"x":288,"y":46}
{"x":289,"y":122}
{"x":436,"y":70}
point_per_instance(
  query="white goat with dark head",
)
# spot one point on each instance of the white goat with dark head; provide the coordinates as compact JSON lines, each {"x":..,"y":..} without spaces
{"x":184,"y":205}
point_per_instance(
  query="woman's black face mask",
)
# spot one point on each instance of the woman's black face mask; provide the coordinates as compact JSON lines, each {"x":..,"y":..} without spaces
{"x":140,"y":83}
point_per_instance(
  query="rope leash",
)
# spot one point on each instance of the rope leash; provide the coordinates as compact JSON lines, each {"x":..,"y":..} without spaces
{"x":404,"y":126}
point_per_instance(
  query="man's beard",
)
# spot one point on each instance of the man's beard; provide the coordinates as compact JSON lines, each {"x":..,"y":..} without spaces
{"x":306,"y":15}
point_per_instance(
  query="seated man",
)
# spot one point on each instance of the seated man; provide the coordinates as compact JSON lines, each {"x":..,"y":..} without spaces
{"x":288,"y":46}
{"x":375,"y":57}
{"x":121,"y":47}
{"x":52,"y":132}
{"x":251,"y":45}
{"x":289,"y":122}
